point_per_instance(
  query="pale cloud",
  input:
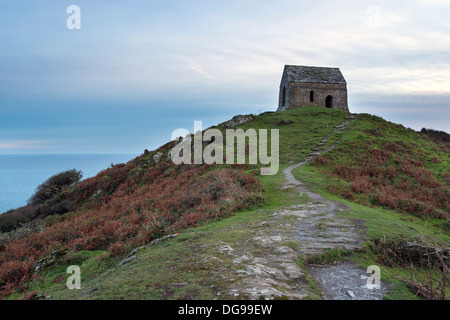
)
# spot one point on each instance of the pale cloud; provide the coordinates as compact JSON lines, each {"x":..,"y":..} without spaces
{"x":401,"y":80}
{"x":24,"y":144}
{"x":202,"y":72}
{"x":232,"y":54}
{"x":435,"y":2}
{"x":252,"y":46}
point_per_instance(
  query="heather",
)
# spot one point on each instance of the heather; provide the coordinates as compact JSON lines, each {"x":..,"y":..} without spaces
{"x":395,"y":182}
{"x":128,"y":205}
{"x":384,"y":164}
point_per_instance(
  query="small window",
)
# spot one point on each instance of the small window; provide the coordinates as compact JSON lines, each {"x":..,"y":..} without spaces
{"x":311,"y":96}
{"x":283,"y":97}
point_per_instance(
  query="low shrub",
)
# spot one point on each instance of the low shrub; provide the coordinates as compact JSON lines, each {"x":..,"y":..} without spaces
{"x":117,"y":211}
{"x":54,"y":185}
{"x":389,"y":174}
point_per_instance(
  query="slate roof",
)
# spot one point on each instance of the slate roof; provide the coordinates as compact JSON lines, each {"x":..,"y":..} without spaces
{"x":314,"y":74}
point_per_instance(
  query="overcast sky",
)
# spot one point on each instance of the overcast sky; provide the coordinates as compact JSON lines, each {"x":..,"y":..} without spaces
{"x":137,"y":70}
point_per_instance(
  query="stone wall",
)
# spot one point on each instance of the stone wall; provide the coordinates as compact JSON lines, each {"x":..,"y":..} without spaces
{"x":298,"y":95}
{"x":282,"y":105}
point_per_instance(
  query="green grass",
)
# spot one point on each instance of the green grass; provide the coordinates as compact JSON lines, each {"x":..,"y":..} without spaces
{"x":379,"y":131}
{"x":379,"y":222}
{"x":299,"y":138}
{"x":383,"y":224}
{"x":169,"y":270}
{"x":173,"y":269}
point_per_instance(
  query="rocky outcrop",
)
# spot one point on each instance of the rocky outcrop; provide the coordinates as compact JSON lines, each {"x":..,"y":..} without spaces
{"x":49,"y":261}
{"x":237,"y":121}
{"x":157,"y":157}
{"x":132,"y":255}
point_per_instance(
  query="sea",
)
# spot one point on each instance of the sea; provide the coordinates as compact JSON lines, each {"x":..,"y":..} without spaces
{"x":21,"y":174}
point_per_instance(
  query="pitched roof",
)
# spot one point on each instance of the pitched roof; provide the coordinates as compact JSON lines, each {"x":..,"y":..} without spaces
{"x":314,"y":74}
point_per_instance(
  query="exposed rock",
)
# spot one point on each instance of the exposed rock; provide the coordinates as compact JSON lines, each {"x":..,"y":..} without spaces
{"x":263,"y":270}
{"x":92,"y":290}
{"x":210,"y":259}
{"x":292,"y":271}
{"x":132,"y":255}
{"x":242,"y":259}
{"x":96,"y":194}
{"x":268,"y":112}
{"x":225,"y":248}
{"x":49,"y":261}
{"x":284,"y":121}
{"x":143,"y":163}
{"x":266,"y":241}
{"x":168,"y":237}
{"x":169,"y":153}
{"x":127,"y":260}
{"x":157,"y":157}
{"x":237,"y":121}
{"x":344,"y":281}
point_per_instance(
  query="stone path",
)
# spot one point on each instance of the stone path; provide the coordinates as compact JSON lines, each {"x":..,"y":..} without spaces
{"x":319,"y":227}
{"x":264,"y":266}
{"x":344,"y":282}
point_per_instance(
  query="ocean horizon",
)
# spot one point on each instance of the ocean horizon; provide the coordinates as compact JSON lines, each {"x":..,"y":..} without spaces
{"x":21,"y":174}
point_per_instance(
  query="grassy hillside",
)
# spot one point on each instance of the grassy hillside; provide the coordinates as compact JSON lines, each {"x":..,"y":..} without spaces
{"x":382,"y":164}
{"x":392,"y":178}
{"x":126,"y":206}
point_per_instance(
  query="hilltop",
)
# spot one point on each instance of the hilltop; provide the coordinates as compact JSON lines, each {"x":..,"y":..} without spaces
{"x":354,"y":188}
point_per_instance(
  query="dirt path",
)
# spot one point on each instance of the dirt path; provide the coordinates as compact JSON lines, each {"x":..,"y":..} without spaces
{"x":263,"y":266}
{"x":319,"y":227}
{"x":344,"y":281}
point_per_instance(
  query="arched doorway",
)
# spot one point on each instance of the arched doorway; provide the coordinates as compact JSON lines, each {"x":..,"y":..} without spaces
{"x":283,"y":97}
{"x":329,"y":102}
